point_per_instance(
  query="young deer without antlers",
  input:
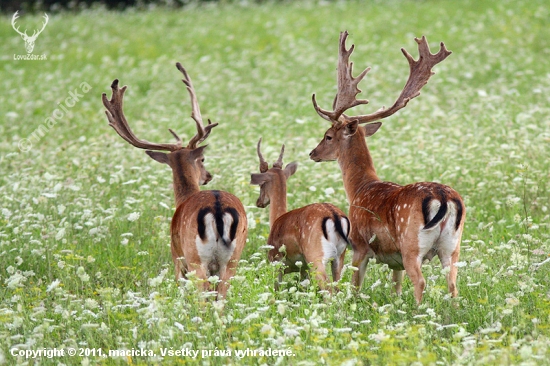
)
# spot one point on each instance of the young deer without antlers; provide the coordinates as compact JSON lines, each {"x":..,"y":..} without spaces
{"x":316,"y":233}
{"x":398,"y":225}
{"x":209,"y":228}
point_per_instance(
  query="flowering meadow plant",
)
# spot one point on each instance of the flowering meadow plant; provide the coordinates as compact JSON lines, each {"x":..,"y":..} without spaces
{"x":85,"y":259}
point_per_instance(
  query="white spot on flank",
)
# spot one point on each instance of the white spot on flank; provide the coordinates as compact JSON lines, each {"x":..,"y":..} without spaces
{"x":405,"y":205}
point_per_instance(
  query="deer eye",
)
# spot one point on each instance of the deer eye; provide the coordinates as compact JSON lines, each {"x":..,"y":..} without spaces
{"x":202,"y":160}
{"x":328,"y":138}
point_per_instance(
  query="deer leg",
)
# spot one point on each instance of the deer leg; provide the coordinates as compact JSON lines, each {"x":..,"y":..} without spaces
{"x":279,"y":278}
{"x":319,"y":269}
{"x":397,"y":278}
{"x":202,"y":275}
{"x":360,"y":260}
{"x":449,"y":261}
{"x":412,"y":263}
{"x":337,"y":266}
{"x":320,"y":274}
{"x":225,"y":276}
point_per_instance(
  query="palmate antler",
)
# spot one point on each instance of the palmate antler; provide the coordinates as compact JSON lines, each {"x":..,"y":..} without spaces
{"x":118,"y":121}
{"x":202,"y":131}
{"x":419,"y":74}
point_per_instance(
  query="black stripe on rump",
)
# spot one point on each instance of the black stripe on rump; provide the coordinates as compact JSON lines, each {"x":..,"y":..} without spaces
{"x":324,"y":227}
{"x":218,"y":215}
{"x":233,"y":230}
{"x":200,"y":221}
{"x":337,"y":226}
{"x":440,"y":213}
{"x":459,"y":211}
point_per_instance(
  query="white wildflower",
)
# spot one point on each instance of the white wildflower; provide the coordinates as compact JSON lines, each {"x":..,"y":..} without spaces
{"x":81,"y":273}
{"x":52,"y":286}
{"x":60,"y":234}
{"x":250,"y":317}
{"x":266,"y":329}
{"x":475,"y":264}
{"x":291,"y":332}
{"x":134,"y":216}
{"x":329,"y":191}
{"x":7,"y":213}
{"x":378,"y":337}
{"x":16,"y":280}
{"x":376,"y":284}
{"x":154,"y":282}
{"x":91,"y":304}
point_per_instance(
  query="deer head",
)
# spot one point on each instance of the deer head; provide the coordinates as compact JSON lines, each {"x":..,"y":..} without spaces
{"x":272,"y":181}
{"x":344,"y":126}
{"x":29,"y":40}
{"x":186,"y":162}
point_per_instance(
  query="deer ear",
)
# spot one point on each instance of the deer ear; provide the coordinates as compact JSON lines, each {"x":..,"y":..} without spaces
{"x":351,"y":128}
{"x":198,"y":151}
{"x":290,"y":169}
{"x":258,"y":178}
{"x":371,"y":128}
{"x":158,"y":156}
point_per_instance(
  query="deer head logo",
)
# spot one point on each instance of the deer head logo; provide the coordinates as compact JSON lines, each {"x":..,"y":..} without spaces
{"x":29,"y":40}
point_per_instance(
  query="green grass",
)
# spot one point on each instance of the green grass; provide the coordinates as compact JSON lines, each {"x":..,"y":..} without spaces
{"x":481,"y":126}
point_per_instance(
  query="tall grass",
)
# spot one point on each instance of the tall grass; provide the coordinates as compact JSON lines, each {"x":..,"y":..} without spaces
{"x":84,"y":225}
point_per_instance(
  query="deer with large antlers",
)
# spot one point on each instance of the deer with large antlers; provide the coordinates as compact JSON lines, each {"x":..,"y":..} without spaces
{"x":209,"y":228}
{"x":398,"y":225}
{"x":316,"y":233}
{"x":29,"y":40}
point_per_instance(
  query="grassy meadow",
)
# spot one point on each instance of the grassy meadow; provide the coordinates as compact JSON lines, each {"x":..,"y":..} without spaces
{"x":84,"y":224}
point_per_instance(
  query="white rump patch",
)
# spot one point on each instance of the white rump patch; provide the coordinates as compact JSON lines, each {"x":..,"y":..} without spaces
{"x":435,"y":205}
{"x":227,"y":222}
{"x":212,"y":251}
{"x":345,"y":227}
{"x":335,"y":245}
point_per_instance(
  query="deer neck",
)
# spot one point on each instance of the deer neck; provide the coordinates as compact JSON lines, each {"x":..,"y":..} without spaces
{"x":277,"y":206}
{"x":356,"y":165}
{"x":184,"y":185}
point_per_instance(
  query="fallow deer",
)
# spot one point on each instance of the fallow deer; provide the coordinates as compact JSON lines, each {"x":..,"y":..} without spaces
{"x":209,"y":228}
{"x":316,"y":233}
{"x":398,"y":225}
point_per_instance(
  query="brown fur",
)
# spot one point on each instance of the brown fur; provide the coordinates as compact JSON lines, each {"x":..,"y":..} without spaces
{"x":184,"y":234}
{"x":300,"y":230}
{"x":382,"y":227}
